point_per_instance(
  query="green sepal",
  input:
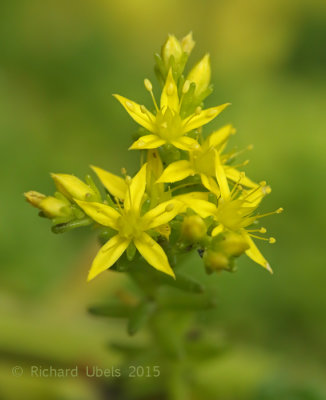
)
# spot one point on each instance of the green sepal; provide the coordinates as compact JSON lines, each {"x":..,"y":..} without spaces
{"x":139,"y":316}
{"x":68,"y":226}
{"x":90,"y":182}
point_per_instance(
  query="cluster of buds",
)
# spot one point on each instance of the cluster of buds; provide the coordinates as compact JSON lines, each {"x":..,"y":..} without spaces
{"x":188,"y":194}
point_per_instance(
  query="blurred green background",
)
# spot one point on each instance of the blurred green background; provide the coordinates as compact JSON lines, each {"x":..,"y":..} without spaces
{"x":59,"y":64}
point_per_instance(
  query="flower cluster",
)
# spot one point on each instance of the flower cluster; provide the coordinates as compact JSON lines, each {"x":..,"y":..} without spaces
{"x":187,"y":195}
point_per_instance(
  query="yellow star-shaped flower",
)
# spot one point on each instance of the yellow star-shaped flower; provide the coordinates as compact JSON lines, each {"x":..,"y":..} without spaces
{"x":131,"y":226}
{"x":167,"y":126}
{"x":205,"y":162}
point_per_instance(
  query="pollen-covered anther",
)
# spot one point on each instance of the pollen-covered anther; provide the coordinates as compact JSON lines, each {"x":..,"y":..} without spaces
{"x":262,"y":230}
{"x":272,"y":240}
{"x":123,"y":171}
{"x":279,"y":210}
{"x":128,"y":180}
{"x":186,"y":87}
{"x":148,"y":85}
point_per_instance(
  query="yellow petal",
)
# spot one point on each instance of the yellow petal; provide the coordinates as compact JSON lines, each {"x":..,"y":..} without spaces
{"x":221,"y":177}
{"x":108,"y":255}
{"x":201,"y":207}
{"x":192,"y":195}
{"x":220,"y":136}
{"x":147,"y":142}
{"x":177,"y":171}
{"x":72,"y":187}
{"x":101,"y":213}
{"x":218,"y":229}
{"x":235,"y":176}
{"x":204,"y":117}
{"x":254,"y":253}
{"x":161,"y":214}
{"x":113,"y":183}
{"x":210,"y":184}
{"x":186,"y":143}
{"x":136,"y":190}
{"x":169,"y":97}
{"x":134,"y":110}
{"x":153,"y":254}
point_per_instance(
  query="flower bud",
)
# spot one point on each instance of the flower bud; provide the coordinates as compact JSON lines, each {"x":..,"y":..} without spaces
{"x":233,"y":244}
{"x":34,"y":198}
{"x":54,"y":208}
{"x":216,"y":260}
{"x":171,"y":47}
{"x":193,"y":228}
{"x":187,"y":43}
{"x":201,"y":75}
{"x":51,"y":206}
{"x":72,"y":187}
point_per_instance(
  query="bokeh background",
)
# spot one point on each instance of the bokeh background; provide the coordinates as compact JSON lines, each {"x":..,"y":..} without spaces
{"x":59,"y":64}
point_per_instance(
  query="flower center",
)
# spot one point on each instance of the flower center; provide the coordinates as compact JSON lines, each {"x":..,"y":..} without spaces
{"x":168,"y":125}
{"x":130,"y":225}
{"x":204,"y":162}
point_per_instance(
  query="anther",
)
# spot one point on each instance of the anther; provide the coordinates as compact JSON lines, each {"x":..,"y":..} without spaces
{"x":169,"y":207}
{"x":148,"y":85}
{"x":272,"y":240}
{"x":128,"y":180}
{"x":279,"y":210}
{"x":143,"y":109}
{"x":198,"y":110}
{"x":262,"y":230}
{"x":123,"y":171}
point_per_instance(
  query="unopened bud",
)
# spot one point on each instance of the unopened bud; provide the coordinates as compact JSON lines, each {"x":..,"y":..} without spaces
{"x":72,"y":187}
{"x":201,"y":75}
{"x":193,"y":228}
{"x":171,"y":47}
{"x":34,"y":198}
{"x":53,"y":208}
{"x":187,"y":43}
{"x":233,"y":244}
{"x":215,"y":260}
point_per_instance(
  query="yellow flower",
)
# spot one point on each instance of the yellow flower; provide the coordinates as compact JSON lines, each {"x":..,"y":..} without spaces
{"x":235,"y":213}
{"x":167,"y":126}
{"x":205,"y":161}
{"x":131,"y":226}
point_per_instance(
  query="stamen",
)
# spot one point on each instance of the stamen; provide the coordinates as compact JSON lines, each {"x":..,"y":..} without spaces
{"x":261,"y":230}
{"x":270,"y":240}
{"x":149,"y":88}
{"x":123,"y":171}
{"x":278,"y":211}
